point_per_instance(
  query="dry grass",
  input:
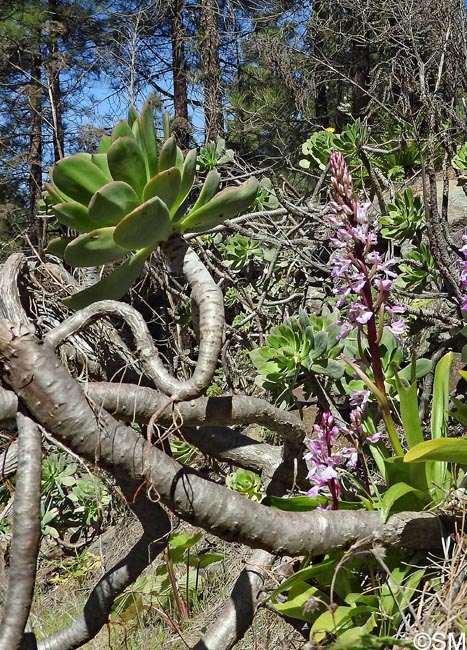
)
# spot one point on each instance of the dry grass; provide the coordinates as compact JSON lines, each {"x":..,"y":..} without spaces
{"x":63,"y":589}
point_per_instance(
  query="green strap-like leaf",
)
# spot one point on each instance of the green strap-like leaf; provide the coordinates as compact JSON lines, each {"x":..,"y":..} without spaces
{"x":78,"y":178}
{"x":166,"y":185}
{"x":74,"y":215}
{"x":409,"y":412}
{"x":393,"y":494}
{"x":94,"y":248}
{"x":112,"y":202}
{"x":112,"y":287}
{"x":126,"y":163}
{"x":448,"y":450}
{"x":146,"y":226}
{"x":226,"y":204}
{"x":439,"y":410}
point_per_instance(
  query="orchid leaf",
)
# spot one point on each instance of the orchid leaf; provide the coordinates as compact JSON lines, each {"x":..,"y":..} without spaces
{"x":394,"y":494}
{"x":447,"y":450}
{"x":460,"y":414}
{"x":409,"y":412}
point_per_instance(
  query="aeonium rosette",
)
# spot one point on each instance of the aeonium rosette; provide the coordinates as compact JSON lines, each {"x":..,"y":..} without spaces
{"x":130,"y":197}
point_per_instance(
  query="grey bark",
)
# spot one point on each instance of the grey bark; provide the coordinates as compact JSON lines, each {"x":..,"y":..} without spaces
{"x":25,"y":540}
{"x":137,"y":403}
{"x":237,"y":614}
{"x":56,"y":400}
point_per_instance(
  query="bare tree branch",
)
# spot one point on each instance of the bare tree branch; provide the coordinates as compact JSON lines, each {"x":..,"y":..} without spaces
{"x":137,"y":404}
{"x":237,"y":614}
{"x":57,"y":401}
{"x":207,"y":298}
{"x":26,"y":534}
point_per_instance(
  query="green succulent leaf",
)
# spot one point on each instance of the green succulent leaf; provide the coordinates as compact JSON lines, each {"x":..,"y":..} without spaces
{"x":100,"y":160}
{"x":74,"y":215}
{"x":104,"y":144}
{"x":226,"y":204}
{"x":132,"y":115}
{"x":94,"y":248}
{"x":209,"y":189}
{"x":187,"y":180}
{"x":150,"y":140}
{"x":168,"y":155}
{"x":179,"y":159}
{"x":53,"y":193}
{"x":146,"y":226}
{"x":166,"y":185}
{"x":126,"y":163}
{"x":113,"y":286}
{"x":78,"y":178}
{"x":112,"y":202}
{"x":57,"y":246}
{"x":121,"y":130}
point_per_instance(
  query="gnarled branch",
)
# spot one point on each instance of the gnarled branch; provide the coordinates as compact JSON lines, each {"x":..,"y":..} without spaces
{"x":57,"y":401}
{"x":26,"y":534}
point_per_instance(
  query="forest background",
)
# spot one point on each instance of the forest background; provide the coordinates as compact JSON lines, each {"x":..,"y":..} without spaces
{"x":266,"y":90}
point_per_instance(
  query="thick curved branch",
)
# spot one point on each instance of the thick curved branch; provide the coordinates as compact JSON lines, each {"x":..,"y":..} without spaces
{"x":96,"y":611}
{"x":237,"y":614}
{"x":56,"y":400}
{"x":26,"y":535}
{"x":10,"y":300}
{"x":205,"y":294}
{"x":208,"y":298}
{"x":146,"y":351}
{"x":137,"y":404}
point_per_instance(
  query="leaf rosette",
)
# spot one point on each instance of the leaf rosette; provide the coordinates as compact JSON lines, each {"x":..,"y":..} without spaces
{"x":129,"y":198}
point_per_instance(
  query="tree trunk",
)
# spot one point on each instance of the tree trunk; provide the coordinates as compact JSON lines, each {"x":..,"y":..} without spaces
{"x":55,"y":92}
{"x":211,"y":70}
{"x":35,"y":149}
{"x":181,"y":125}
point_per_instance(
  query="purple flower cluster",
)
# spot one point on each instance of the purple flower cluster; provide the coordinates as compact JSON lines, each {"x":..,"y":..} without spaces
{"x":365,"y":280}
{"x":463,"y":275}
{"x":326,"y":465}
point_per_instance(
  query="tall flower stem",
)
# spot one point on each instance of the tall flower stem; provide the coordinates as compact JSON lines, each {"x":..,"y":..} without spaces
{"x":365,"y":283}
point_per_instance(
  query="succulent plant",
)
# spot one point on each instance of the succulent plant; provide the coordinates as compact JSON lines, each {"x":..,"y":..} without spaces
{"x":130,"y":197}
